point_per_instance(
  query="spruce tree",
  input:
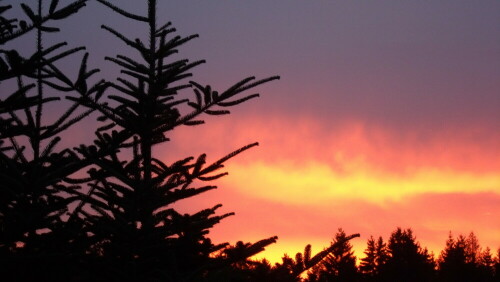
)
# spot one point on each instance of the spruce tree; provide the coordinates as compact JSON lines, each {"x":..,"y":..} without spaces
{"x":368,"y":265}
{"x":292,"y":269}
{"x":486,"y":265}
{"x":138,"y":233}
{"x":462,"y":260}
{"x":376,"y":257}
{"x":382,"y":254}
{"x":496,"y":266}
{"x":339,"y":264}
{"x":407,"y":261}
{"x":452,"y":261}
{"x":40,"y":237}
{"x":472,"y":249}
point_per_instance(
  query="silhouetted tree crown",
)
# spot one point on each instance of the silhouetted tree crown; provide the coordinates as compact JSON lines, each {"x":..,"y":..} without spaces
{"x":376,"y":256}
{"x":463,"y":260}
{"x":339,"y":264}
{"x":407,"y":261}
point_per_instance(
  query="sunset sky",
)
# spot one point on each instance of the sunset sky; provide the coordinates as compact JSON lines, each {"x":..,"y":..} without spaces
{"x":387,"y":115}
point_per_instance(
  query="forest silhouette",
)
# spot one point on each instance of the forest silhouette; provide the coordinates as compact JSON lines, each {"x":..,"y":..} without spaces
{"x":104,"y":210}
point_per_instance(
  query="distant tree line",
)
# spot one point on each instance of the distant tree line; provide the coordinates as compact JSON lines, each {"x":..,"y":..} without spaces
{"x":401,"y":258}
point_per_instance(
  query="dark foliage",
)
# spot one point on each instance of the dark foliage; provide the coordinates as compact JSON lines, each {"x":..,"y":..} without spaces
{"x":407,"y":261}
{"x":410,"y":262}
{"x":463,"y":260}
{"x":376,"y":256}
{"x":339,"y":264}
{"x":117,"y":223}
{"x":39,"y":235}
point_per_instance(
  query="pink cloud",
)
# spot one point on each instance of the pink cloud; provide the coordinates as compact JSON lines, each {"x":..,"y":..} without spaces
{"x":465,"y":148}
{"x":466,"y":156}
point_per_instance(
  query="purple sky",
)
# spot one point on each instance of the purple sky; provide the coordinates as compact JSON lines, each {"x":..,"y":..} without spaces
{"x":403,"y":63}
{"x":393,"y":62}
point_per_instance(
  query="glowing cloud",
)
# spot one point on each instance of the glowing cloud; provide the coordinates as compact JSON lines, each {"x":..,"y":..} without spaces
{"x":309,"y":178}
{"x":315,"y":184}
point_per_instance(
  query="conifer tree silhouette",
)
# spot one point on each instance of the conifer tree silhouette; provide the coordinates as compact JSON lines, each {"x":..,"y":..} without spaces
{"x":135,"y":228}
{"x":463,"y":260}
{"x":123,"y":227}
{"x":452,"y":261}
{"x":368,"y":266}
{"x":496,"y":266}
{"x":339,"y":264}
{"x":407,"y":261}
{"x":290,"y":269}
{"x":375,"y":258}
{"x":38,"y":234}
{"x":307,"y":262}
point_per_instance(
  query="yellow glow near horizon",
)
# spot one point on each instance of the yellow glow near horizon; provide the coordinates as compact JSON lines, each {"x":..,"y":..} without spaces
{"x":316,"y":183}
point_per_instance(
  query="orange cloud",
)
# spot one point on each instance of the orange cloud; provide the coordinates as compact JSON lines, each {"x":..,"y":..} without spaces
{"x":470,"y":148}
{"x":315,"y":163}
{"x":309,"y":178}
